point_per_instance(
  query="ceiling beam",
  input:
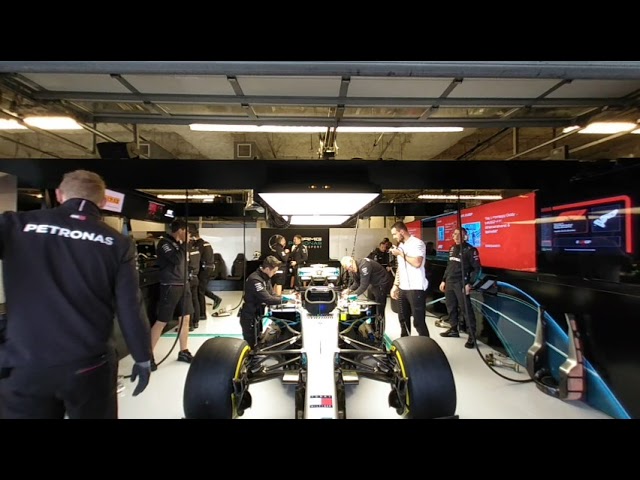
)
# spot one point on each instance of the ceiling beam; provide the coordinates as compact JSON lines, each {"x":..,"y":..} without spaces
{"x":386,"y":175}
{"x":128,"y":118}
{"x":613,"y":70}
{"x":320,"y":101}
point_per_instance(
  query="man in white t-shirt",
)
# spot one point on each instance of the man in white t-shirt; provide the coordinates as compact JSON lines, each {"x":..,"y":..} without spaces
{"x":410,"y":282}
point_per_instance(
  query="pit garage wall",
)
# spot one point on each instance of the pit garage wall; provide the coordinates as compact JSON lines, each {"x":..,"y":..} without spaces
{"x":607,"y":317}
{"x":229,"y":240}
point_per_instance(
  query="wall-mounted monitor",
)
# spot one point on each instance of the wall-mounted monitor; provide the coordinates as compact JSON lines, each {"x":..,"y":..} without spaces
{"x":445,"y":226}
{"x":415,"y":228}
{"x":156,"y":212}
{"x":600,"y":226}
{"x":504,"y":232}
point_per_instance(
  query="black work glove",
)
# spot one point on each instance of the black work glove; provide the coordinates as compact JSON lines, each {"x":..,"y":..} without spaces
{"x":142,"y":370}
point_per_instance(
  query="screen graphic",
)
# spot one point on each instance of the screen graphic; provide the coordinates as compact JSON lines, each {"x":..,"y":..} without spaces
{"x":504,"y":232}
{"x":155,"y":211}
{"x":594,"y":226}
{"x":415,"y":228}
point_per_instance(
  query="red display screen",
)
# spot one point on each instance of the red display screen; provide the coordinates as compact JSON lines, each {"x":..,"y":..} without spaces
{"x":595,"y":226}
{"x":415,"y":228}
{"x":444,"y":232}
{"x":155,"y":211}
{"x":504,"y":232}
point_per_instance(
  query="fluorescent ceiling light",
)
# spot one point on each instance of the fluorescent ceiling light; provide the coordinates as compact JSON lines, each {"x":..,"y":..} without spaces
{"x":182,"y":196}
{"x":203,"y":127}
{"x":572,"y":128}
{"x":609,"y":127}
{"x":11,"y":125}
{"x":318,"y":203}
{"x":398,"y":129}
{"x":318,"y":219}
{"x":461,"y":197}
{"x":53,"y":123}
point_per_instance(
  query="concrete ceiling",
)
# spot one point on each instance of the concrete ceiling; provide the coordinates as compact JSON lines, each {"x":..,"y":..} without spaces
{"x":509,"y":110}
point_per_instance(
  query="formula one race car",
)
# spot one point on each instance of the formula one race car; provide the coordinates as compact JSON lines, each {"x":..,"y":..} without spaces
{"x":320,"y":344}
{"x":319,"y":274}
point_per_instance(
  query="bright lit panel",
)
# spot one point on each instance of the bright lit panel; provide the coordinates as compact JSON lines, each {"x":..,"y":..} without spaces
{"x":53,"y":123}
{"x":318,"y":219}
{"x":11,"y":125}
{"x":608,"y":127}
{"x":204,"y":127}
{"x":321,"y":203}
{"x":399,"y":129}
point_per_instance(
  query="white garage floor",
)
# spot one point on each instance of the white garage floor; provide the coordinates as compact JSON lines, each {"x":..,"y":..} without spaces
{"x":481,"y":393}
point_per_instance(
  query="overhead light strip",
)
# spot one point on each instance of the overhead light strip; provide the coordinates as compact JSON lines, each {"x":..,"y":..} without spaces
{"x":204,"y":127}
{"x":461,"y":197}
{"x":43,"y":123}
{"x":179,"y":196}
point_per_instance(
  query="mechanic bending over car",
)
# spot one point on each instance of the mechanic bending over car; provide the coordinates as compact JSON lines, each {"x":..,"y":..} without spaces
{"x":368,"y":274}
{"x":258,"y":292}
{"x":57,"y":357}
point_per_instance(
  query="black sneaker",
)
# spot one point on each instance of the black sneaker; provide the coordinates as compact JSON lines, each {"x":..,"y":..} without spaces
{"x":452,"y":332}
{"x":185,"y":356}
{"x":470,"y":343}
{"x":217,"y":302}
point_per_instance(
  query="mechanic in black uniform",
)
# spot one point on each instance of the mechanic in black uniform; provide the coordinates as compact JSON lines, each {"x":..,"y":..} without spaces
{"x":282,"y":254}
{"x":297,"y":258}
{"x":381,"y":254}
{"x":206,"y":272}
{"x":67,"y":275}
{"x":175,"y":294}
{"x":258,"y":292}
{"x":367,"y":274}
{"x":453,"y":285}
{"x":194,"y":281}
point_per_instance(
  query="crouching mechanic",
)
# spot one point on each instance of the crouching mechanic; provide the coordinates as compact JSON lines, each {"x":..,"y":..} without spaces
{"x":258,"y":292}
{"x":368,"y":274}
{"x":57,"y":357}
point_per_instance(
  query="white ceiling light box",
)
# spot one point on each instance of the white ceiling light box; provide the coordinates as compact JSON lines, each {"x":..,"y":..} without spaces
{"x":318,"y":219}
{"x":318,"y":203}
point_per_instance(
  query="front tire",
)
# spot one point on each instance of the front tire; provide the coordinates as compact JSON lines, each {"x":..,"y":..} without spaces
{"x":431,"y":389}
{"x":208,"y":389}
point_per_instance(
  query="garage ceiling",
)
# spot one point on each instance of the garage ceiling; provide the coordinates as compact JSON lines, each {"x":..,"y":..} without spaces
{"x":507,"y":110}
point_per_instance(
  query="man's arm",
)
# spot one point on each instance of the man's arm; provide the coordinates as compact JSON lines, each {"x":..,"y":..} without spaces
{"x":365,"y":279}
{"x":412,"y":258}
{"x":264,"y":296}
{"x":170,"y":254}
{"x":354,"y":281}
{"x":474,"y":262}
{"x":130,"y":308}
{"x":207,"y":253}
